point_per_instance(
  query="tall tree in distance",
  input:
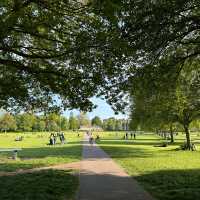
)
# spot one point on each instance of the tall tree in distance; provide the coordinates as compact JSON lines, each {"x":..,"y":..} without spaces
{"x":73,"y":122}
{"x":83,"y":119}
{"x":25,"y":121}
{"x":96,"y":121}
{"x":64,"y":123}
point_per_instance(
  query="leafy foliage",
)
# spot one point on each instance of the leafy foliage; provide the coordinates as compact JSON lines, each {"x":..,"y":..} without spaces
{"x":96,"y":121}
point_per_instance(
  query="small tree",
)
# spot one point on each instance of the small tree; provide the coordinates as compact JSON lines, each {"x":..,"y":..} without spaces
{"x":7,"y":122}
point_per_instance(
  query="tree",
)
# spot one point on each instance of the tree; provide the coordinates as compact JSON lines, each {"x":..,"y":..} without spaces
{"x":109,"y":124}
{"x":25,"y":121}
{"x":64,"y":123}
{"x":39,"y":124}
{"x":53,"y":48}
{"x":53,"y":122}
{"x":154,"y":28}
{"x":155,"y":104}
{"x":7,"y":122}
{"x":87,"y":48}
{"x":119,"y":125}
{"x":73,"y":122}
{"x":153,"y":32}
{"x":96,"y":121}
{"x":83,"y":119}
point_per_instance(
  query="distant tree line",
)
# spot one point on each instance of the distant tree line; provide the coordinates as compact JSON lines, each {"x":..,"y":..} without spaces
{"x":55,"y":122}
{"x":112,"y":124}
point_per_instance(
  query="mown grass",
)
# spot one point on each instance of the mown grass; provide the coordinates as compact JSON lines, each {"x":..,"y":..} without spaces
{"x":36,"y":152}
{"x":167,"y":173}
{"x":44,"y":185}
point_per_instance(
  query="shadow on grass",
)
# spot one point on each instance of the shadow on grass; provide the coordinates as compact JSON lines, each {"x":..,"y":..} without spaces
{"x":172,"y":184}
{"x":28,"y":157}
{"x":126,"y":152}
{"x":129,"y":142}
{"x":45,"y":185}
{"x":140,"y":142}
{"x":137,"y":139}
{"x":52,"y":151}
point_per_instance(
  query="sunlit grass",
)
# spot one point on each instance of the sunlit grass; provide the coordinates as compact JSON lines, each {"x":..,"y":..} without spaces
{"x":36,"y":152}
{"x":165,"y":172}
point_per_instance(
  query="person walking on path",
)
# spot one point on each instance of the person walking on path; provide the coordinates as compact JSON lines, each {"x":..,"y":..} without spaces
{"x":91,"y":140}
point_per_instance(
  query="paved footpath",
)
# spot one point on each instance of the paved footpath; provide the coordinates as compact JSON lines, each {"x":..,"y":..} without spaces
{"x":102,"y":179}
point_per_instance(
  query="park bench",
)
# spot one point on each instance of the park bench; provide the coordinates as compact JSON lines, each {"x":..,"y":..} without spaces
{"x":14,"y":150}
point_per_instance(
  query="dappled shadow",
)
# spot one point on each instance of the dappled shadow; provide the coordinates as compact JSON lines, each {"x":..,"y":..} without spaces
{"x":173,"y":184}
{"x":45,"y":185}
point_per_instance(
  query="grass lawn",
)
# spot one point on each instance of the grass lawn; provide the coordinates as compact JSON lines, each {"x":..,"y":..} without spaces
{"x":166,"y":173}
{"x":43,"y":185}
{"x":35,"y":151}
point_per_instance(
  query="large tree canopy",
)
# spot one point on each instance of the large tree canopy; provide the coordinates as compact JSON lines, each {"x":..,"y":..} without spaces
{"x":53,"y":48}
{"x":77,"y":49}
{"x":156,"y":28}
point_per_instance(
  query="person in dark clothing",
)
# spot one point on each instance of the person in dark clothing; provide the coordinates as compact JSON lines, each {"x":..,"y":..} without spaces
{"x":126,"y":136}
{"x":51,"y":139}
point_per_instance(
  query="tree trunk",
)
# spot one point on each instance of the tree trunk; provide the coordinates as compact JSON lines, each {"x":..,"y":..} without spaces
{"x":171,"y":135}
{"x":187,"y":133}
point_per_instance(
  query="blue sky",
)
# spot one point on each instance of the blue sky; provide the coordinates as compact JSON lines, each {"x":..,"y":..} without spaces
{"x":103,"y":110}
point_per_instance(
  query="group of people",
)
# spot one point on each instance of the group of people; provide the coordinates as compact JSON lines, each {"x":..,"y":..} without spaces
{"x":53,"y":138}
{"x":133,"y":135}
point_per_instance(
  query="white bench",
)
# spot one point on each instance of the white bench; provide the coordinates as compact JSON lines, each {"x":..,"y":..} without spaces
{"x":14,"y":150}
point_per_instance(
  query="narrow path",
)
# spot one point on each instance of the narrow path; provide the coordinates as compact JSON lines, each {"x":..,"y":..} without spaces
{"x":102,"y":179}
